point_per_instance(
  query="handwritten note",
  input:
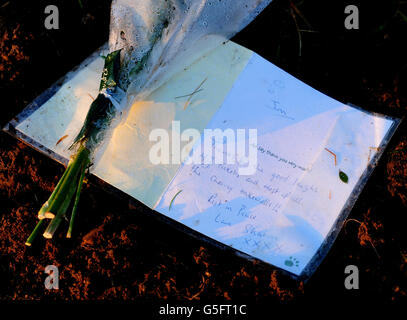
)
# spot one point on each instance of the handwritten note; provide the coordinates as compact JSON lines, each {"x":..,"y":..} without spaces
{"x":282,"y":213}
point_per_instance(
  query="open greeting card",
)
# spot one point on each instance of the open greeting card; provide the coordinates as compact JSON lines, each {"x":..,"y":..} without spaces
{"x":304,"y":169}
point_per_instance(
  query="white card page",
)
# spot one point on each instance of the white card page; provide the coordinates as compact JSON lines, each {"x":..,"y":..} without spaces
{"x":281,"y":213}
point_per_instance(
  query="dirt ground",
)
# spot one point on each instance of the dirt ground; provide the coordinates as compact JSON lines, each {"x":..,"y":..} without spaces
{"x":121,"y":252}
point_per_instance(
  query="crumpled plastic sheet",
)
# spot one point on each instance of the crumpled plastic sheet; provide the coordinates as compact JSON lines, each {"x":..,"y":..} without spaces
{"x":160,"y":37}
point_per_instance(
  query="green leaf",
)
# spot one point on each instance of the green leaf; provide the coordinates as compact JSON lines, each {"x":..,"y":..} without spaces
{"x":110,"y":71}
{"x":343,"y":176}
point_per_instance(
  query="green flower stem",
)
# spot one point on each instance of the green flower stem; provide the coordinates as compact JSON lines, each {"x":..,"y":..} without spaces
{"x":54,"y":224}
{"x":45,"y":208}
{"x":59,"y":193}
{"x":34,"y":234}
{"x":72,"y":187}
{"x":78,"y":194}
{"x":69,"y":179}
{"x":98,"y":119}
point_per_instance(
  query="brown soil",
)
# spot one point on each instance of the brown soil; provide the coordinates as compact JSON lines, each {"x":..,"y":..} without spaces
{"x":120,"y":253}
